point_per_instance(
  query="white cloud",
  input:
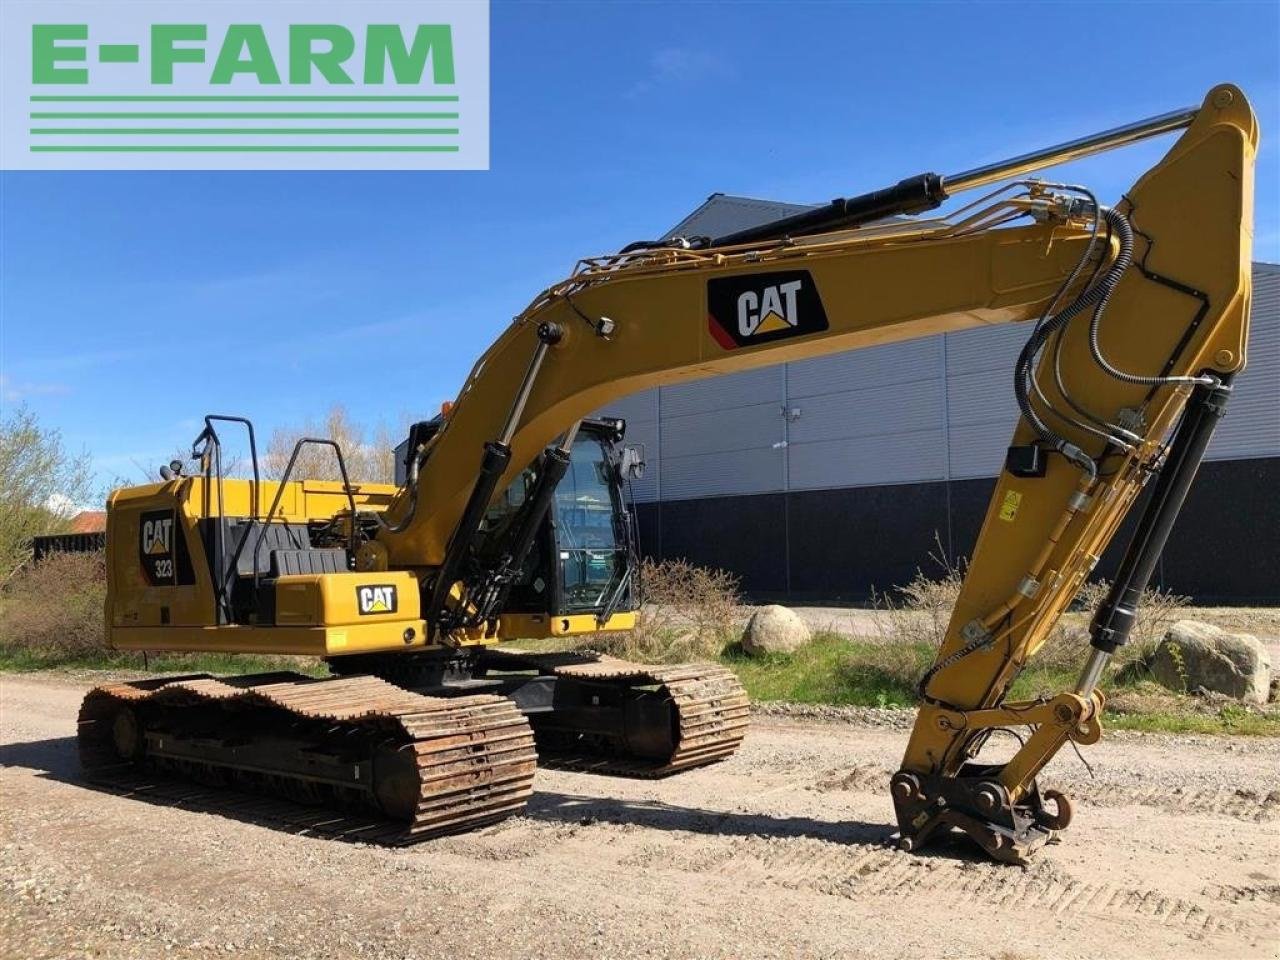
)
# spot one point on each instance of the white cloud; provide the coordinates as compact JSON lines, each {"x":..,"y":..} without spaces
{"x":64,"y":506}
{"x":678,"y":66}
{"x":14,"y":392}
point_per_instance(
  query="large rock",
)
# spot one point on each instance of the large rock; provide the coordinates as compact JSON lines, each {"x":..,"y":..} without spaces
{"x":1193,"y":655}
{"x":774,"y":629}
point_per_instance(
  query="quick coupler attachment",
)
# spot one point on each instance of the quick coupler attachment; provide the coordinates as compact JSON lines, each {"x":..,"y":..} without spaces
{"x":977,"y":803}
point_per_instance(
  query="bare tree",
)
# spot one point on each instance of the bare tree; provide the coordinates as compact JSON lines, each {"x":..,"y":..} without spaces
{"x":41,"y":486}
{"x":371,"y":461}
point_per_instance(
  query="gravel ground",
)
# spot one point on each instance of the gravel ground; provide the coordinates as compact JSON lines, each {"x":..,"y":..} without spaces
{"x":779,"y":852}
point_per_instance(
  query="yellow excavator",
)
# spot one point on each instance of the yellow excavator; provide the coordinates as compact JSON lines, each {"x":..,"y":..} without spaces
{"x":512,"y":522}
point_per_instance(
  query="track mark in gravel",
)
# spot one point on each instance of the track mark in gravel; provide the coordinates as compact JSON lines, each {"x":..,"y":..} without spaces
{"x":1253,"y":805}
{"x":863,"y":777}
{"x":1241,"y":804}
{"x":1259,"y":893}
{"x":517,"y":838}
{"x":864,"y":871}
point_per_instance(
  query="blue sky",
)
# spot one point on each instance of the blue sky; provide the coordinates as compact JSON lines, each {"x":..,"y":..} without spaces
{"x":135,"y":302}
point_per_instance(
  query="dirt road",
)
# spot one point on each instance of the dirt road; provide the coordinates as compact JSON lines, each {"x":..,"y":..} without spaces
{"x":780,"y":852}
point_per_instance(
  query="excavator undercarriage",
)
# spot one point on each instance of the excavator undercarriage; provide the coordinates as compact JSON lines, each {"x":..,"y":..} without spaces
{"x":511,"y":521}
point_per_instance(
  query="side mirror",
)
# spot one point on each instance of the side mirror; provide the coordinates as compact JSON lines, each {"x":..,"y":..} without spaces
{"x":631,"y":464}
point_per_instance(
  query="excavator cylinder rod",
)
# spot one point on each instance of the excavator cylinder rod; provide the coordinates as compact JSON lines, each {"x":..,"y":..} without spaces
{"x":928,"y":190}
{"x":1071,"y":150}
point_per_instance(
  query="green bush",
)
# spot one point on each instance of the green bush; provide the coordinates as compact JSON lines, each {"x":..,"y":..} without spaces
{"x":53,"y":610}
{"x":689,"y":613}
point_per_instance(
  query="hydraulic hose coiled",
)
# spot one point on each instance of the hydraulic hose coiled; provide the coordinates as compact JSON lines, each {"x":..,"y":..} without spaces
{"x":1096,"y":295}
{"x":1120,"y":224}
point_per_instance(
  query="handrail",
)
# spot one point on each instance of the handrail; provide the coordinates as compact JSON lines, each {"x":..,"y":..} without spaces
{"x":284,"y":480}
{"x":209,"y":436}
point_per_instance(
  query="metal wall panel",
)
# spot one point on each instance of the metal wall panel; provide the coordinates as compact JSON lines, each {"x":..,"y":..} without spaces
{"x":634,"y":406}
{"x":720,"y":431}
{"x":644,"y":434}
{"x":892,"y":408}
{"x":762,"y":385}
{"x":985,"y":397}
{"x":977,"y":450}
{"x":863,"y":461}
{"x":986,"y":348}
{"x":1251,"y":427}
{"x":722,"y":474}
{"x":981,"y":410}
{"x":892,"y":363}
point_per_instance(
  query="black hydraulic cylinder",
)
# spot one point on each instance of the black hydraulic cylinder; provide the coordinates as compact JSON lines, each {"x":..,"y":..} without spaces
{"x":1115,"y":616}
{"x":912,"y":195}
{"x":492,"y":466}
{"x":555,"y":463}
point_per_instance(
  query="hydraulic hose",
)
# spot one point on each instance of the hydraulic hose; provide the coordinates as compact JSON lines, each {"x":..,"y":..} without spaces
{"x":1096,"y":295}
{"x":1120,"y":224}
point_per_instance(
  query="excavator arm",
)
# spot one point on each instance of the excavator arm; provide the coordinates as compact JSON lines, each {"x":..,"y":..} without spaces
{"x":1136,"y":318}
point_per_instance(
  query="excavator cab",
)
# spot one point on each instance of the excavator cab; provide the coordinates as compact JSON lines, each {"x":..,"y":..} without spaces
{"x":207,"y":552}
{"x":584,"y":559}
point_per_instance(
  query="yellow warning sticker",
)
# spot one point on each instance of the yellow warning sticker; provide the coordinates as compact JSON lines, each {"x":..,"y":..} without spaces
{"x":1009,"y":508}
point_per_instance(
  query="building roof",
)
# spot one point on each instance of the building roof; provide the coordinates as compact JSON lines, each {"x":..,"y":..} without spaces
{"x":721,"y":213}
{"x":88,"y":521}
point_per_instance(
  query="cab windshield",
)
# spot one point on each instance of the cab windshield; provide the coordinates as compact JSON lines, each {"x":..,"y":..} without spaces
{"x":591,"y":558}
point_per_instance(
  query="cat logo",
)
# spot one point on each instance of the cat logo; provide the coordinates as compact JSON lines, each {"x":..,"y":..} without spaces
{"x":157,"y":536}
{"x":376,"y":598}
{"x":162,"y":551}
{"x":773,"y":309}
{"x":763,"y":307}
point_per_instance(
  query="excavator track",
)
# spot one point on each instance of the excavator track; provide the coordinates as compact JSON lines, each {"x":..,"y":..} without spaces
{"x":707,"y":705}
{"x":355,"y":757}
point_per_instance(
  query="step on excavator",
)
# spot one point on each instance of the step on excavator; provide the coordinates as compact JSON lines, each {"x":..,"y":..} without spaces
{"x":512,"y":522}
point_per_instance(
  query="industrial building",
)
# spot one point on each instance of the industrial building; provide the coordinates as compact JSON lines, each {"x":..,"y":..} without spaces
{"x":825,"y":479}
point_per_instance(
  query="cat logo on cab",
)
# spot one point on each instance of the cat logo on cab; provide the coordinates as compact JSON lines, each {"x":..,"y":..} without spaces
{"x":376,"y":598}
{"x":763,"y":307}
{"x":162,"y":550}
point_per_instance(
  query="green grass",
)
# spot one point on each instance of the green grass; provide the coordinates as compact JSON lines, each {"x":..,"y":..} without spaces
{"x":833,"y":669}
{"x":843,"y":671}
{"x":1235,"y":721}
{"x":23,"y":660}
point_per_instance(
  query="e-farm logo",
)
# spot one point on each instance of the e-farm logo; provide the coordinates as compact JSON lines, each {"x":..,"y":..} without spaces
{"x":113,"y":84}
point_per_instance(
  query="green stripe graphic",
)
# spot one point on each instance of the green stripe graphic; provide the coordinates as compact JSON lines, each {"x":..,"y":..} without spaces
{"x":226,"y":131}
{"x":266,"y":98}
{"x":241,"y":115}
{"x":248,"y":148}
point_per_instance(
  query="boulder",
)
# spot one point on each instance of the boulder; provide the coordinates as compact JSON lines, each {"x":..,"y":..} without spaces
{"x":1195,"y":655}
{"x":774,"y":629}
